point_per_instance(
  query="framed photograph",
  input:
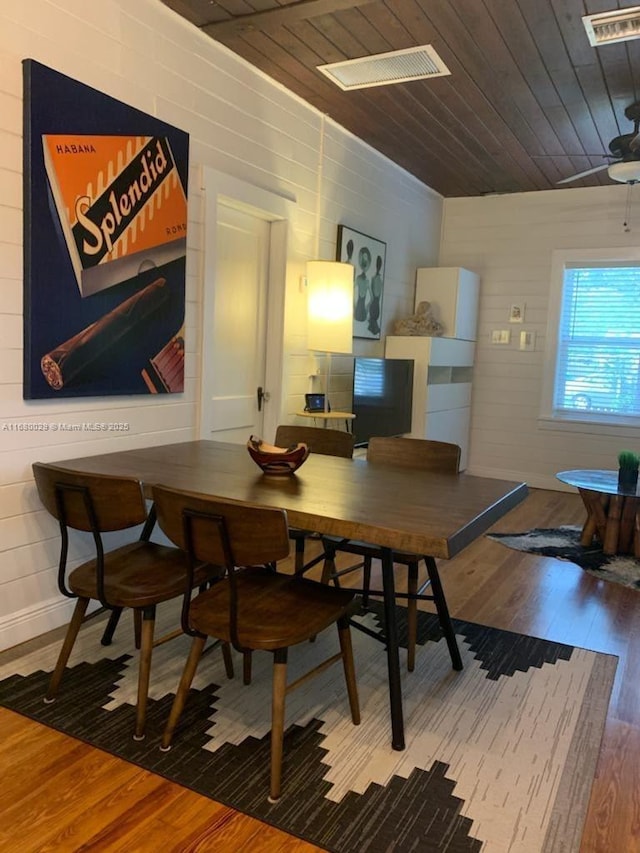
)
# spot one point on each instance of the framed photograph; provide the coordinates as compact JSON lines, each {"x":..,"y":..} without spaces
{"x":367,"y":255}
{"x":516,"y":313}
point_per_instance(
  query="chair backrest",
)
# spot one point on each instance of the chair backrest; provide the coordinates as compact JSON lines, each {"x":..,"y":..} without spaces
{"x":419,"y":453}
{"x":255,"y":535}
{"x":328,"y":442}
{"x":93,"y":502}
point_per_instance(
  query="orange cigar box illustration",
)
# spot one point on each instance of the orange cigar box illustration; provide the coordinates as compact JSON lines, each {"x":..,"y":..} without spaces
{"x":121,"y":205}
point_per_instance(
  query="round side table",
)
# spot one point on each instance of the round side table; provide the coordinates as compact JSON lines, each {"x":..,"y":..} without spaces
{"x":613,"y":514}
{"x":327,"y":417}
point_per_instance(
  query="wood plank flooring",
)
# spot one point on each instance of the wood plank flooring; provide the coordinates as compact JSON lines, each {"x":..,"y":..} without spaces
{"x":61,"y":795}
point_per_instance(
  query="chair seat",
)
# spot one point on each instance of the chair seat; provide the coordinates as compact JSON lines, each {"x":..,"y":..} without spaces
{"x":139,"y":574}
{"x":281,"y":610}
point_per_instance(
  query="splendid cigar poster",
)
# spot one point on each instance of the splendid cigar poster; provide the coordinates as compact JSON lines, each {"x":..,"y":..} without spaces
{"x":105,"y":243}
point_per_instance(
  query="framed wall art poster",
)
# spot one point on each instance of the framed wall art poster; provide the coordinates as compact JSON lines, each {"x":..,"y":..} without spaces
{"x":105,"y":228}
{"x":367,"y":256}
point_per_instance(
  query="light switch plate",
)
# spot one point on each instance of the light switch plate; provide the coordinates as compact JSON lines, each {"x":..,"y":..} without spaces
{"x":527,"y":341}
{"x":501,"y":336}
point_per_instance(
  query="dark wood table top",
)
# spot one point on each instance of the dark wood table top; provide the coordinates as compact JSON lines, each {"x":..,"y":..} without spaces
{"x":418,"y":512}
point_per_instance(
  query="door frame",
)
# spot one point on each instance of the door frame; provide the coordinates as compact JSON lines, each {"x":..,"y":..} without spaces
{"x":276,"y":209}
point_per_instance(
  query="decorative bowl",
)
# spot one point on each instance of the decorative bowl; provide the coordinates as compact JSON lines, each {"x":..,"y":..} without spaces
{"x":277,"y":460}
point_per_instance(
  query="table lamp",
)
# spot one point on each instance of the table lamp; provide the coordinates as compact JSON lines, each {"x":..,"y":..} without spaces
{"x":329,"y":311}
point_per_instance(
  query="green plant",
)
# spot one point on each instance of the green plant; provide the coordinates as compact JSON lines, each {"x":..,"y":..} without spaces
{"x":629,"y":460}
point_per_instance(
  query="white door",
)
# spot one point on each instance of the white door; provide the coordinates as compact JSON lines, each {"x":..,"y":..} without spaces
{"x":236,"y":328}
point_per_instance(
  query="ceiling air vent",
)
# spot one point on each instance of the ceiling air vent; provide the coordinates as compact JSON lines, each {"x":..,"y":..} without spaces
{"x":397,"y":66}
{"x":610,"y":27}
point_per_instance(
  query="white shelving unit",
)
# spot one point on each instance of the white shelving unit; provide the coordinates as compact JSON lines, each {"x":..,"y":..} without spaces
{"x":454,"y":293}
{"x":443,"y":367}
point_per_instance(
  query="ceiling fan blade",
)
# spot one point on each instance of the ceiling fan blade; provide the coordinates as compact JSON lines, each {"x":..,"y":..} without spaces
{"x":583,"y":174}
{"x":581,"y":154}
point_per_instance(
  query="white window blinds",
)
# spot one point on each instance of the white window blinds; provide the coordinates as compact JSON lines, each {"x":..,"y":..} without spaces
{"x":598,"y":362}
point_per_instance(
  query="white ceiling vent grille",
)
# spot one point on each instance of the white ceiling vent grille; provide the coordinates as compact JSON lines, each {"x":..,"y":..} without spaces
{"x":397,"y":66}
{"x":610,"y":27}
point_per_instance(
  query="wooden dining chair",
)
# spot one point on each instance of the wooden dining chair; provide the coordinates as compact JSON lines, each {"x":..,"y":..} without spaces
{"x":327,"y":442}
{"x":254,"y":606}
{"x":424,"y":456}
{"x":139,"y":575}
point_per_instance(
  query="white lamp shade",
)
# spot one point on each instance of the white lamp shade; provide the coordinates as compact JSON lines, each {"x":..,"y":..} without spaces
{"x":330,"y":306}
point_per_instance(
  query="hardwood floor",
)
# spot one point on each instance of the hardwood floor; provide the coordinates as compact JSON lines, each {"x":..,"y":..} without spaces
{"x":61,"y":795}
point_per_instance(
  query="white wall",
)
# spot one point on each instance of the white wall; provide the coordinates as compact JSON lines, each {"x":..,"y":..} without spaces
{"x":359,"y":188}
{"x":240,"y":123}
{"x":509,"y":240}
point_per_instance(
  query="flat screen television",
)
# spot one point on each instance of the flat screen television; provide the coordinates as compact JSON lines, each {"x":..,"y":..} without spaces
{"x":382,"y":394}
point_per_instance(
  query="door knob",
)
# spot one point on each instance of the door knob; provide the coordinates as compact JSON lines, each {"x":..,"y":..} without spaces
{"x":262,"y":396}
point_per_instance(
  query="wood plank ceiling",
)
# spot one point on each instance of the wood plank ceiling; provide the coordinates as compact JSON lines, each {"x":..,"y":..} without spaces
{"x":528,"y":102}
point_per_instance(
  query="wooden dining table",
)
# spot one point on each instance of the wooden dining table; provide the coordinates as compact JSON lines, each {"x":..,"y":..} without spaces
{"x":392,"y":507}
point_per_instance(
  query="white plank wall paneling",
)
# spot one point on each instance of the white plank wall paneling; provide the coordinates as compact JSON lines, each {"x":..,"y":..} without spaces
{"x":240,"y":123}
{"x":509,"y":241}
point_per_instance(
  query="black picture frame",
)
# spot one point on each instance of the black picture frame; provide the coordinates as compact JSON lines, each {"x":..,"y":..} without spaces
{"x":368,"y":256}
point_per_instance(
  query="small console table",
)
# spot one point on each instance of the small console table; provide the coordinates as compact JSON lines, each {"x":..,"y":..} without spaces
{"x":612,"y":513}
{"x":347,"y":417}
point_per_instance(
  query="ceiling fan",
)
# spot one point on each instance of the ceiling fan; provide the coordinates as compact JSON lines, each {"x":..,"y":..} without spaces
{"x":625,"y":154}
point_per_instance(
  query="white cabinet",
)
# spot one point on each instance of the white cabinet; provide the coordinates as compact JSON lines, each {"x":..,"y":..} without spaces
{"x":442,"y":373}
{"x":443,"y":367}
{"x":453,"y":293}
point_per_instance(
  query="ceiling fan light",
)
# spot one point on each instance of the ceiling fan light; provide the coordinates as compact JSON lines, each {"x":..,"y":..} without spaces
{"x":626,"y":172}
{"x":610,"y":27}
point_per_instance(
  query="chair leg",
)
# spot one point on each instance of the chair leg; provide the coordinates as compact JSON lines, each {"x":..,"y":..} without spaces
{"x":279,"y":692}
{"x":112,"y":624}
{"x":412,"y":615}
{"x":144,"y":669}
{"x":366,"y":580}
{"x":443,"y":612}
{"x":299,"y":557}
{"x":246,"y":668}
{"x":137,"y":628}
{"x":228,"y":660}
{"x":188,"y":673}
{"x":67,"y":646}
{"x":344,"y":635}
{"x":329,"y":565}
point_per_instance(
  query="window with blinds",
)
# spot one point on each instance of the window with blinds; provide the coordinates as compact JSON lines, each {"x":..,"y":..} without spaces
{"x":598,"y":347}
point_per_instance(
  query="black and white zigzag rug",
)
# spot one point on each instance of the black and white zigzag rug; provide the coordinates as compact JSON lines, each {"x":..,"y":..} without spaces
{"x":500,"y":757}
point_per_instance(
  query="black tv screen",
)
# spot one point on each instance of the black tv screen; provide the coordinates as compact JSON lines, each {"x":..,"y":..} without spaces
{"x":382,"y":394}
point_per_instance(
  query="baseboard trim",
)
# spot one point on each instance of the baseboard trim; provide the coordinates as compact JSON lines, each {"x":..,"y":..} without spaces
{"x":31,"y":622}
{"x":535,"y":481}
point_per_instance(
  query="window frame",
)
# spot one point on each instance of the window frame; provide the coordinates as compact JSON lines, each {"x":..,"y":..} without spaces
{"x":575,"y":420}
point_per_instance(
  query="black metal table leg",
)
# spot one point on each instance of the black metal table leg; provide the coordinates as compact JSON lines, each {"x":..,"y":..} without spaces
{"x":443,"y":612}
{"x":393,"y":659}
